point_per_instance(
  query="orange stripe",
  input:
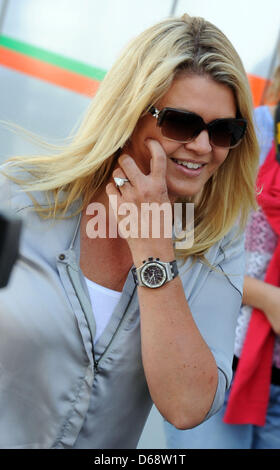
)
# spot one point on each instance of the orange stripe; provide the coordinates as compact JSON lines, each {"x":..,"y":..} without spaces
{"x":79,"y":83}
{"x":257,"y":85}
{"x":48,"y":72}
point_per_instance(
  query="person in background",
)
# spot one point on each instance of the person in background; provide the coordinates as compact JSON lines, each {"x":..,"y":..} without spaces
{"x":250,"y":417}
{"x":96,"y":328}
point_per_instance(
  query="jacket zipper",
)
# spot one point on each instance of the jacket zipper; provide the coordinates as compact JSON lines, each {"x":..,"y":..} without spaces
{"x":96,"y":362}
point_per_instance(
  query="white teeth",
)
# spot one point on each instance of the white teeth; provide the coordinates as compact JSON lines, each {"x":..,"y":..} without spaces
{"x":193,"y":166}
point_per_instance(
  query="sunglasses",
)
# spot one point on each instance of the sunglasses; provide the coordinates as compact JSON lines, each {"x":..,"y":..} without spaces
{"x":185,"y":126}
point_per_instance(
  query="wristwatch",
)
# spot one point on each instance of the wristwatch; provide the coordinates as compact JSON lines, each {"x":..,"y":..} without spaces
{"x":154,"y":273}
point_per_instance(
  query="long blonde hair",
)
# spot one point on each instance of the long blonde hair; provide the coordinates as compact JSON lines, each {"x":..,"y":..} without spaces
{"x":139,"y":78}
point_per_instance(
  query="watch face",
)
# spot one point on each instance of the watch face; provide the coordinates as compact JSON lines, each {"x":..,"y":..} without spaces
{"x":153,"y":275}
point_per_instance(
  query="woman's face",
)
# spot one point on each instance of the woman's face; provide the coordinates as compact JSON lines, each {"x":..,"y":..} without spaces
{"x":201,"y":95}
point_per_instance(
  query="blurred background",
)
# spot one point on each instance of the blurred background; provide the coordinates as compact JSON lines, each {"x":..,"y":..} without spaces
{"x":54,"y":53}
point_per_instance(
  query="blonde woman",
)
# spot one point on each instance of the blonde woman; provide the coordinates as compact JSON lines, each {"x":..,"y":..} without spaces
{"x":96,"y":329}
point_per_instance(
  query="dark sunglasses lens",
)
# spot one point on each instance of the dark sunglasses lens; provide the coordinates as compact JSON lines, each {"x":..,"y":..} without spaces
{"x":227,"y":132}
{"x":180,"y":126}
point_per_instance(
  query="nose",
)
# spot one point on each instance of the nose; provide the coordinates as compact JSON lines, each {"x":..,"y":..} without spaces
{"x":201,"y":144}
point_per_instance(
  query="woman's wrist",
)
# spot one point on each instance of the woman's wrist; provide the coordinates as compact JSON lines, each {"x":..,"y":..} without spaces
{"x":156,"y":248}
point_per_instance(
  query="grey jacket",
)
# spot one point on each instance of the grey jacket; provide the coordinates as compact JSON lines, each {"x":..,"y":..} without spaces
{"x":56,"y":390}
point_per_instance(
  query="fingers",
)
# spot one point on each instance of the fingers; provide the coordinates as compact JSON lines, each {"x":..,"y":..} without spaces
{"x":118,"y":173}
{"x":130,"y":168}
{"x":157,"y":163}
{"x":111,"y":190}
{"x":158,"y":160}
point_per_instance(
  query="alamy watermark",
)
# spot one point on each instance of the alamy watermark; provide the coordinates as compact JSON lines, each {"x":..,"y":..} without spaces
{"x":150,"y":220}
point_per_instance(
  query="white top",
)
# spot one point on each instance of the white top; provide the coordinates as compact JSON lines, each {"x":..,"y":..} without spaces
{"x":103,"y":301}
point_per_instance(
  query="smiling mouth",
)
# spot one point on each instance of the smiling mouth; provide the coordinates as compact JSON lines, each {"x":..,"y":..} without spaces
{"x":189,"y":165}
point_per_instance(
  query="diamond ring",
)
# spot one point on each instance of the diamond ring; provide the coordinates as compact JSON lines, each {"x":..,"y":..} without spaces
{"x":120,"y":181}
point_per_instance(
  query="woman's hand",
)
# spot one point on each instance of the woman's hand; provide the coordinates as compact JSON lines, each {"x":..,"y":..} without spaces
{"x":139,"y":202}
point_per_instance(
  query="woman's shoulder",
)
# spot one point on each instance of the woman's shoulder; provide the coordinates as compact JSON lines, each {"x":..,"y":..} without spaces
{"x":13,"y":197}
{"x":41,"y":237}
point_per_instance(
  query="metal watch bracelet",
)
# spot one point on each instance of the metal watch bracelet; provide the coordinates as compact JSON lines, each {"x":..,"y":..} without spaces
{"x":170,"y":268}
